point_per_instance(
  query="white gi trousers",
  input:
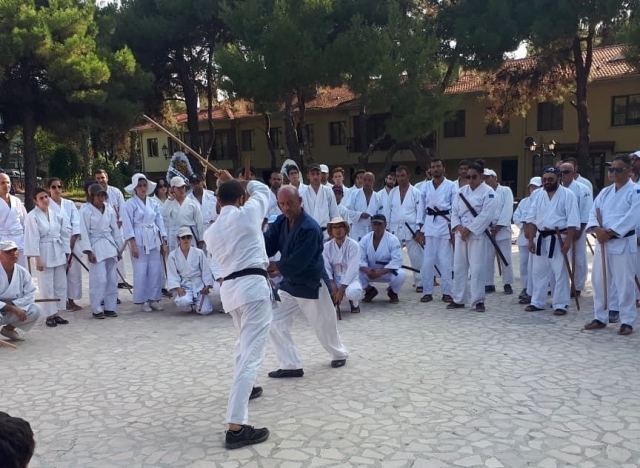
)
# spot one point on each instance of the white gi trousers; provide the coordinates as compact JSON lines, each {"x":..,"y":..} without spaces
{"x":580,"y":270}
{"x":148,"y":276}
{"x":52,"y":284}
{"x":33,"y":311}
{"x":550,"y":271}
{"x":321,"y":315}
{"x":252,"y":321}
{"x":353,"y":292}
{"x":191,"y":301}
{"x":620,"y":273}
{"x":492,"y":258}
{"x":103,"y":285}
{"x":437,"y":251}
{"x":470,"y":260}
{"x":637,"y":273}
{"x":394,"y":281}
{"x":523,"y":265}
{"x":74,"y":276}
{"x":414,"y":249}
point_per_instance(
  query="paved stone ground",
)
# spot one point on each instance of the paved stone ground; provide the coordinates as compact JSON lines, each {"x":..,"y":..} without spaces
{"x":424,"y":387}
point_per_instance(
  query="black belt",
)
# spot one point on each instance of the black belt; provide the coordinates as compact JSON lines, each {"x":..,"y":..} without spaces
{"x":247,"y":272}
{"x":552,"y":247}
{"x":628,"y":234}
{"x":434,"y":213}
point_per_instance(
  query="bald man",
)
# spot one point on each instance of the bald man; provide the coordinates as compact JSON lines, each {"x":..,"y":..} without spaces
{"x":363,"y":204}
{"x":299,"y":240}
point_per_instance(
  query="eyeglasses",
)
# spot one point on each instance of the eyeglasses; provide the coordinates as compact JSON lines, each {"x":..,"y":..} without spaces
{"x":566,"y":172}
{"x":56,"y":187}
{"x":185,"y":237}
{"x":617,"y":170}
{"x":472,"y":177}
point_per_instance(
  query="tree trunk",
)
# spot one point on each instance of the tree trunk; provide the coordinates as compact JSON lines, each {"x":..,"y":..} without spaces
{"x":365,"y":150}
{"x":30,"y":156}
{"x":583,"y":68}
{"x":191,"y":102}
{"x":302,"y":134}
{"x":290,"y":132}
{"x":388,"y":162}
{"x":423,"y":155}
{"x":267,"y":135}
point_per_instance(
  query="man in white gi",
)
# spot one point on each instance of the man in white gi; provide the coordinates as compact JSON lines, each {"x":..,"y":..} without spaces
{"x":501,"y":231}
{"x":343,"y":211}
{"x":324,"y":175}
{"x":319,"y":201}
{"x":405,"y":216}
{"x":551,"y":210}
{"x":115,"y":198}
{"x":342,"y":261}
{"x":293,"y":174}
{"x":189,"y":276}
{"x":182,"y":211}
{"x":576,"y":173}
{"x":635,"y":163}
{"x":364,"y":203}
{"x":275,"y":182}
{"x":206,"y":199}
{"x":437,"y":197}
{"x":236,"y":244}
{"x":74,"y":271}
{"x":383,"y":193}
{"x":298,"y":238}
{"x":338,"y":180}
{"x":525,"y":257}
{"x":578,"y":254}
{"x":381,"y":261}
{"x":462,"y":180}
{"x":427,"y":178}
{"x":618,"y":207}
{"x":17,"y":294}
{"x":12,"y":216}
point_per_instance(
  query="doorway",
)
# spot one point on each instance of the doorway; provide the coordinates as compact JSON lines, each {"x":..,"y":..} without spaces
{"x":509,"y":174}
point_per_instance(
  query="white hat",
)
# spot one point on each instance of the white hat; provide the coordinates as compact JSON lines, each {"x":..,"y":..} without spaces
{"x":537,"y":181}
{"x":324,"y":168}
{"x":177,"y":181}
{"x":7,"y":245}
{"x":635,"y":154}
{"x":151,"y":186}
{"x":490,"y":172}
{"x":185,"y":231}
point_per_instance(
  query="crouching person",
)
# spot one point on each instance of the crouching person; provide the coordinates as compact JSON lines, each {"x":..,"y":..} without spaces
{"x":17,"y":294}
{"x":342,"y":261}
{"x":189,"y":276}
{"x":381,"y":261}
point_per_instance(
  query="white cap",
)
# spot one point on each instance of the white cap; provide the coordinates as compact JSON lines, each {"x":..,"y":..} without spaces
{"x":635,"y":154}
{"x":185,"y":231}
{"x":177,"y":181}
{"x":537,"y":181}
{"x":490,"y":172}
{"x":324,"y":168}
{"x":7,"y":245}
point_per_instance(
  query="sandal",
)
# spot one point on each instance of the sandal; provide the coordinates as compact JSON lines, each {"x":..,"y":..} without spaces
{"x":559,"y":312}
{"x":51,"y":322}
{"x":532,"y":308}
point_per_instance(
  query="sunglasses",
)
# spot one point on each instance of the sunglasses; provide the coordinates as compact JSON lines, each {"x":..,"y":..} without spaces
{"x":57,"y":187}
{"x":548,"y":180}
{"x":472,"y":177}
{"x":566,"y":172}
{"x":186,"y":237}
{"x":617,"y":170}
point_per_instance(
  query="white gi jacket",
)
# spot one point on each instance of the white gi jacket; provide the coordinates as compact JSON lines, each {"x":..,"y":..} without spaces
{"x":208,"y":207}
{"x":483,"y":200}
{"x":320,"y":205}
{"x":342,"y":263}
{"x":274,"y":209}
{"x":503,"y":212}
{"x":71,"y":214}
{"x":383,"y":195}
{"x":560,"y":212}
{"x":192,"y":272}
{"x":518,"y":219}
{"x":584,"y":198}
{"x":437,"y":200}
{"x":235,"y":242}
{"x":586,"y":182}
{"x":621,"y":213}
{"x":12,"y":221}
{"x":186,"y":214}
{"x":99,"y":232}
{"x":358,"y":205}
{"x":410,"y":211}
{"x":144,"y":222}
{"x":47,"y":238}
{"x":116,"y":200}
{"x":20,"y":291}
{"x":389,"y":252}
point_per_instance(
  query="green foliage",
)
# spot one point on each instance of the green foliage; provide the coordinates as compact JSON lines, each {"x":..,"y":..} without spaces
{"x":117,"y":176}
{"x":64,"y":163}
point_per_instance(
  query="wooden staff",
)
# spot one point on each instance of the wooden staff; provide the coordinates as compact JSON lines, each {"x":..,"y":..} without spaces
{"x":499,"y":263}
{"x":202,"y":296}
{"x":566,"y":264}
{"x":29,"y":265}
{"x":637,"y":282}
{"x":589,"y":245}
{"x":7,"y":344}
{"x":182,"y":143}
{"x":164,"y":261}
{"x":47,"y":300}
{"x":603,"y":260}
{"x":123,"y":280}
{"x":73,"y":255}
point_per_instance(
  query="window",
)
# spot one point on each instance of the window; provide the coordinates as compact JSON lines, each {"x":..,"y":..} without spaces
{"x":246,"y":137}
{"x":500,"y":127}
{"x":337,"y":134}
{"x":550,"y":116}
{"x":376,"y":133}
{"x":625,"y":110}
{"x":309,"y":136}
{"x":455,"y":128}
{"x":225,"y":145}
{"x":274,"y":134}
{"x":152,"y":147}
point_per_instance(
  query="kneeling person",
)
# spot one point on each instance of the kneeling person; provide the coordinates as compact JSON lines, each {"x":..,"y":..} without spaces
{"x":381,"y":261}
{"x":17,"y":294}
{"x":189,"y":275}
{"x":341,"y":261}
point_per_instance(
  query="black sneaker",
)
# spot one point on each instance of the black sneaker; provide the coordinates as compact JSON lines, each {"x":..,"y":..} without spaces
{"x":338,"y":363}
{"x":110,"y":313}
{"x":248,"y":435}
{"x":490,"y":289}
{"x":282,"y":373}
{"x":614,"y":316}
{"x":255,"y":393}
{"x":523,"y":293}
{"x":508,"y":289}
{"x":453,"y":305}
{"x":480,"y":307}
{"x":99,"y":315}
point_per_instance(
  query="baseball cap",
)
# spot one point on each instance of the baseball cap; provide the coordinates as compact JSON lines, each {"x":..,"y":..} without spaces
{"x":379,"y":218}
{"x":635,"y":154}
{"x":184,"y":231}
{"x":313,"y":167}
{"x":193,"y":178}
{"x":324,"y":168}
{"x":337,"y":188}
{"x":490,"y":172}
{"x":178,"y":181}
{"x":96,"y":189}
{"x":537,"y":181}
{"x":7,"y":245}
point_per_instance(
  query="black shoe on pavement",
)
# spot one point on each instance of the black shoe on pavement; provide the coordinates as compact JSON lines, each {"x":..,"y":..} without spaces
{"x":490,"y":289}
{"x":248,"y":435}
{"x":614,"y":316}
{"x":110,"y":313}
{"x":338,"y":363}
{"x":480,"y":307}
{"x":508,"y":289}
{"x":453,"y":305}
{"x":255,"y":393}
{"x":117,"y":301}
{"x":282,"y":373}
{"x":99,"y":315}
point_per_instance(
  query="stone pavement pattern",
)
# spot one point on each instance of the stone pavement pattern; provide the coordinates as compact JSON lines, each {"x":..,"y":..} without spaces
{"x":424,"y":387}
